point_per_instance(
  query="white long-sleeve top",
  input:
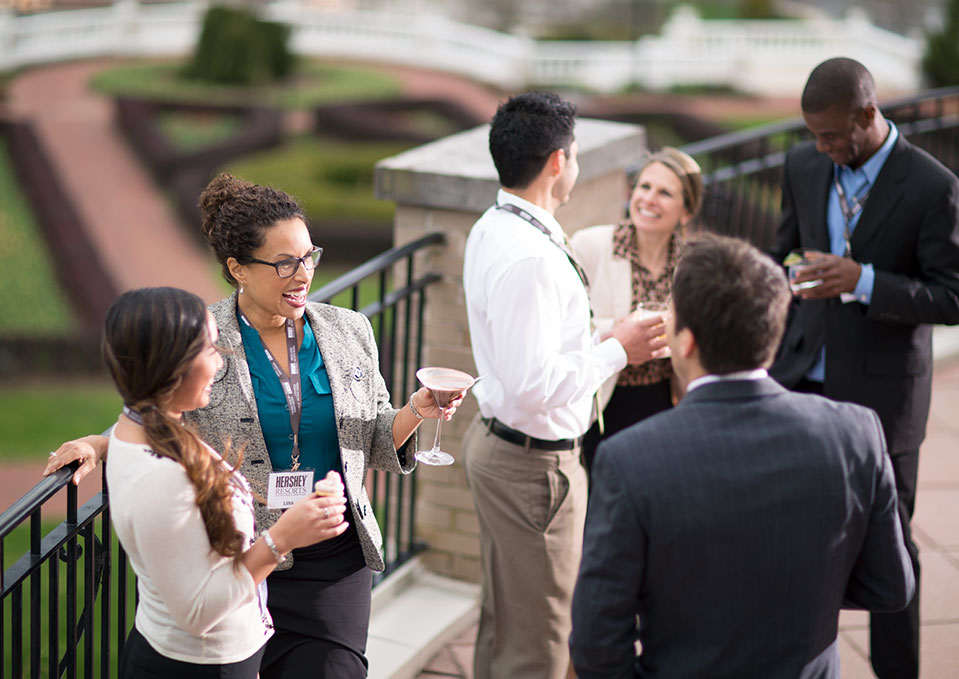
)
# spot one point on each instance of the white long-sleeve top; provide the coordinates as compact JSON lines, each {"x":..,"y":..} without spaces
{"x":194,"y":605}
{"x":530,"y":327}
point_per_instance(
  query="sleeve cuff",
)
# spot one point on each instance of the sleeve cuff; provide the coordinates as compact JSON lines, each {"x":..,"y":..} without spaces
{"x":612,"y":354}
{"x":867,"y":278}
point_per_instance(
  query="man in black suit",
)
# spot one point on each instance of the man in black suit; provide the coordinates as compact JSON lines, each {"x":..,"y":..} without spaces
{"x":886,"y":216}
{"x":738,"y":523}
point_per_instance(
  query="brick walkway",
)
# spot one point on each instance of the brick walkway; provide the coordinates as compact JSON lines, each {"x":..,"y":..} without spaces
{"x":132,"y":225}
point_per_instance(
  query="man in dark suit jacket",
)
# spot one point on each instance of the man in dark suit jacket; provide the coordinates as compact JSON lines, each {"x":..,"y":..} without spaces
{"x":738,"y":523}
{"x":886,"y":215}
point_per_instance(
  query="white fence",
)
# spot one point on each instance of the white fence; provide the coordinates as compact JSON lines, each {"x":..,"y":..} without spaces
{"x":762,"y":57}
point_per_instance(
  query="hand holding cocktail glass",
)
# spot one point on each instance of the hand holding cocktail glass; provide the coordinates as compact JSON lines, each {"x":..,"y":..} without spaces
{"x":803,"y":271}
{"x":822,"y":275}
{"x":643,"y":332}
{"x":447,"y":388}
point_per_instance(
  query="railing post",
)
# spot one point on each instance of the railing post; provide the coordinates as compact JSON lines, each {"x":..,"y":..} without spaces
{"x":444,"y":186}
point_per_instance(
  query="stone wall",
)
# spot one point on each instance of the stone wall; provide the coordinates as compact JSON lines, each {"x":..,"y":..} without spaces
{"x":444,"y":186}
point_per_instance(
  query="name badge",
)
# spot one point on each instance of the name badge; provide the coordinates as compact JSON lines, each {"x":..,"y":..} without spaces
{"x":286,"y":488}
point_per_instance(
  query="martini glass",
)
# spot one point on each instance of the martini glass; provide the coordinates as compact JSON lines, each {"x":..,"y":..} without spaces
{"x":444,"y":384}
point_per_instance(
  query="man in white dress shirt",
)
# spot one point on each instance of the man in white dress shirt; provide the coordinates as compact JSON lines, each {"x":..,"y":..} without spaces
{"x":531,"y":335}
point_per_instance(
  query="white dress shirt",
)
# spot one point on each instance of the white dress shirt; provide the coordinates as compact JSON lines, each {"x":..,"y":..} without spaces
{"x":740,"y":376}
{"x":195,"y":606}
{"x":530,"y":326}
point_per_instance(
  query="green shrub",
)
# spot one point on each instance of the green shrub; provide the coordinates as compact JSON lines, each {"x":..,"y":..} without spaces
{"x":237,"y":48}
{"x":941,"y":61}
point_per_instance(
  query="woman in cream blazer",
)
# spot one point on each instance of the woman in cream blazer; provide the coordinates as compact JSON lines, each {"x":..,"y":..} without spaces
{"x":632,"y":262}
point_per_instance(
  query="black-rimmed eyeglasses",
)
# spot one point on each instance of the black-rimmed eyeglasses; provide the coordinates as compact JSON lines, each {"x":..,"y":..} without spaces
{"x":285,"y":268}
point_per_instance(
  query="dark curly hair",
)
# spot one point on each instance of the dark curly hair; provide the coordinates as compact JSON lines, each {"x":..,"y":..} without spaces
{"x":236,"y":215}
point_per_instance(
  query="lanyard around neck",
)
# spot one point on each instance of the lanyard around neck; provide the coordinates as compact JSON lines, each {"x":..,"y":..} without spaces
{"x":526,"y":216}
{"x":850,"y":207}
{"x":290,"y":383}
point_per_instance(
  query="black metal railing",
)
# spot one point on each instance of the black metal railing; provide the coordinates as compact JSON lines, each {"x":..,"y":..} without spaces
{"x":42,"y":632}
{"x":50,"y":637}
{"x":741,"y":170}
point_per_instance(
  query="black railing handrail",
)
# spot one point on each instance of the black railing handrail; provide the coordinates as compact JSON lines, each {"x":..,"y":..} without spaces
{"x":739,"y":137}
{"x":373,"y":266}
{"x":22,"y":509}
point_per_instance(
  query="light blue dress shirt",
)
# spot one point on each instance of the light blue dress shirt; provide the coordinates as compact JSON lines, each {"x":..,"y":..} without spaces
{"x":854,"y":183}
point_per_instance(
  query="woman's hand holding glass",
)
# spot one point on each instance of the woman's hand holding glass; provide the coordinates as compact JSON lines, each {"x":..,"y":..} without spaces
{"x":426,"y":405}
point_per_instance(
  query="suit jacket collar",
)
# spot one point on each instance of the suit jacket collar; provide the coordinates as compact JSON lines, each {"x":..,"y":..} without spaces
{"x":885,"y":193}
{"x":734,"y":390}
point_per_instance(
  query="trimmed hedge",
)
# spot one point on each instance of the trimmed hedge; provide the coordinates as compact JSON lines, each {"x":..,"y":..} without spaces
{"x":237,"y":48}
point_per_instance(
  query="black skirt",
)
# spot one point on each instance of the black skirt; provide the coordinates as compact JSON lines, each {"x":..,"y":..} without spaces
{"x":628,"y":406}
{"x":140,"y":660}
{"x":321,"y":613}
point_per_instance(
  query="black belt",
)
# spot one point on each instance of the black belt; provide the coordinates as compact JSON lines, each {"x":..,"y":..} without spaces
{"x":519,"y":438}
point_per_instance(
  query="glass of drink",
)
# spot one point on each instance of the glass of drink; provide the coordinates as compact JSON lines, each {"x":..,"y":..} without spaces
{"x":796,"y":261}
{"x":652,"y":309}
{"x":444,"y":384}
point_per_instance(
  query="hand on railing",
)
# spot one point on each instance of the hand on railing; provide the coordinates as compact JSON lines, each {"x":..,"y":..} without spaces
{"x":88,"y":450}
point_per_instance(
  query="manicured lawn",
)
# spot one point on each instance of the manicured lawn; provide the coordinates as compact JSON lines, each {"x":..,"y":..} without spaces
{"x":315,"y":83}
{"x":31,"y":301}
{"x":35,"y":419}
{"x":332,"y":180}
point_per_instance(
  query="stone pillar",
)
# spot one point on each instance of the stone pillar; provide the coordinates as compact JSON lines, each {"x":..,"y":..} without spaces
{"x":444,"y":186}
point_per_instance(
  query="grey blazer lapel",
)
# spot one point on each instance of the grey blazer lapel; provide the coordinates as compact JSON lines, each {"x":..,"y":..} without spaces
{"x":338,"y":369}
{"x":228,"y":325}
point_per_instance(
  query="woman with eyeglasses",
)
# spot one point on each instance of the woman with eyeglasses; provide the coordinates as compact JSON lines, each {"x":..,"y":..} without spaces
{"x":302,"y":392}
{"x":203,"y":613}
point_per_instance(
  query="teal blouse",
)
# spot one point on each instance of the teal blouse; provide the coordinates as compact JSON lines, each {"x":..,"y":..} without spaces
{"x":319,"y":443}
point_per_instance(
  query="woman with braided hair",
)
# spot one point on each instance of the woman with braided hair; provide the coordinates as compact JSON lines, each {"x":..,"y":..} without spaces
{"x":182,"y":512}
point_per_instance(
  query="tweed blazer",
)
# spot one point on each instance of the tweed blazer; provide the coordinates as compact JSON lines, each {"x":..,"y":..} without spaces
{"x":361,"y":404}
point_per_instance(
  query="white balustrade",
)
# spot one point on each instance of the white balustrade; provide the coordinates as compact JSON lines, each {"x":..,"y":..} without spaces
{"x":762,"y":57}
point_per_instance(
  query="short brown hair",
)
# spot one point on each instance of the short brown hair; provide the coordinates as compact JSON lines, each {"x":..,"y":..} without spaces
{"x":734,"y":299}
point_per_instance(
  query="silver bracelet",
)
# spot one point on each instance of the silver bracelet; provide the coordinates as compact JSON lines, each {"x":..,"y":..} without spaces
{"x":268,"y":539}
{"x":414,"y":410}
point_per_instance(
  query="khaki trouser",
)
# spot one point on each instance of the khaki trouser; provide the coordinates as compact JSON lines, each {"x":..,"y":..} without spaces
{"x":531,"y":507}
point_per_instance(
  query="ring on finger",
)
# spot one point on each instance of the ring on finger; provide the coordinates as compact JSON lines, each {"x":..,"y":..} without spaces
{"x":53,"y":453}
{"x":326,"y":512}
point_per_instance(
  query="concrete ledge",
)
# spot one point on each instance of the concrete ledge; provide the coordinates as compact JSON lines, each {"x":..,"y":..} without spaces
{"x":415,"y":614}
{"x":457,"y":172}
{"x":945,"y":342}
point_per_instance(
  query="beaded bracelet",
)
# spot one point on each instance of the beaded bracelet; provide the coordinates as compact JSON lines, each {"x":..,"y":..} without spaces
{"x":268,"y":539}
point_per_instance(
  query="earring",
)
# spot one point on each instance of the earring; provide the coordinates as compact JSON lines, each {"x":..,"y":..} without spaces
{"x":241,"y":288}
